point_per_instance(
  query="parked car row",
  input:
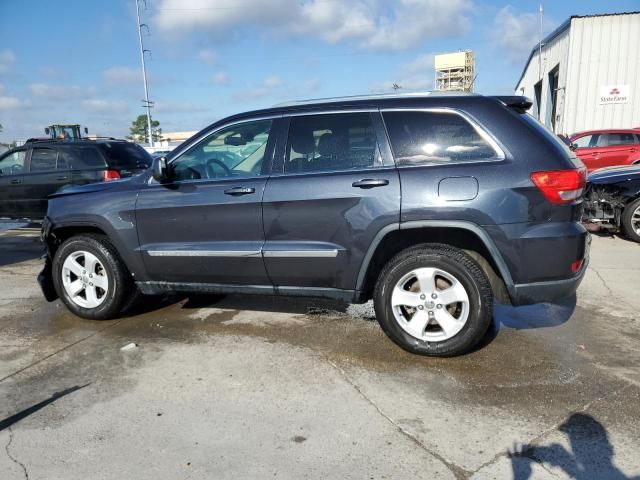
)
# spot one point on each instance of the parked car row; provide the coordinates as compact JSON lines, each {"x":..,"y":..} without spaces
{"x":32,"y":172}
{"x":607,"y":148}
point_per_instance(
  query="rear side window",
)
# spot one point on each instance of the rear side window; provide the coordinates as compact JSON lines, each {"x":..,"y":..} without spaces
{"x":424,"y":138}
{"x":82,"y":157}
{"x":43,"y":159}
{"x":587,"y":141}
{"x":126,"y":155}
{"x":344,"y":141}
{"x":621,"y":139}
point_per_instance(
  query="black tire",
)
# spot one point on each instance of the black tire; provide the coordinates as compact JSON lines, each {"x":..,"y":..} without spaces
{"x":121,"y":287}
{"x":462,"y":267}
{"x":627,"y":215}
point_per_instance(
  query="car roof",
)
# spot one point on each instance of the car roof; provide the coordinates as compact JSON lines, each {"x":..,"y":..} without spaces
{"x":607,"y":130}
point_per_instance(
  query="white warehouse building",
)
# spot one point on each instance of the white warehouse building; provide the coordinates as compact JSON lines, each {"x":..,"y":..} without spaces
{"x":589,"y":76}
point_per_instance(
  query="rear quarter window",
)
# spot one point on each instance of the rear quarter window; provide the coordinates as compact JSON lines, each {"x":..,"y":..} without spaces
{"x":126,"y":155}
{"x":426,"y":138}
{"x":86,"y":157}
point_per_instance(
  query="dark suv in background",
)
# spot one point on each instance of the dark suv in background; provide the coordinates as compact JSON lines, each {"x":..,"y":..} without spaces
{"x":30,"y":173}
{"x":432,"y":205}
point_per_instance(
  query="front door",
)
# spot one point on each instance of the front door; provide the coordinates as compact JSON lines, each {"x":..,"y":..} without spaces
{"x":205,"y":225}
{"x":335,"y":190}
{"x":12,"y":175}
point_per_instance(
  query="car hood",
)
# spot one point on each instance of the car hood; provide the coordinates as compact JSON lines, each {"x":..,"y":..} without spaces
{"x":615,"y":174}
{"x":92,"y":187}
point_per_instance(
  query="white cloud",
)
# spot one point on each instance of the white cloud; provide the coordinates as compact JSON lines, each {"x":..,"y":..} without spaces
{"x":177,"y":107}
{"x":2,"y":89}
{"x":121,"y":75}
{"x":60,"y":92}
{"x":387,"y":25}
{"x":517,"y":33}
{"x":105,"y":106}
{"x":221,"y":78}
{"x":9,"y":103}
{"x":268,"y":87}
{"x":7,"y":58}
{"x":208,"y":56}
{"x":415,"y":75}
{"x":312,"y":85}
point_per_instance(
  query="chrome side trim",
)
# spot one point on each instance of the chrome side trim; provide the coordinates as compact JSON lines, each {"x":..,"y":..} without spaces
{"x":300,"y":253}
{"x":204,"y":253}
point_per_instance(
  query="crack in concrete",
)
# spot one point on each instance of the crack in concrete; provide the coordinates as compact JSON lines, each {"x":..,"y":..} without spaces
{"x":602,"y":280}
{"x":458,"y":472}
{"x":66,"y":347}
{"x":537,"y":440}
{"x":12,"y":458}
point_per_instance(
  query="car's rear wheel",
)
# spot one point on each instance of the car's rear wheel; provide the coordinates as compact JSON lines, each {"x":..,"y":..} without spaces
{"x":90,"y":278}
{"x":631,"y":220}
{"x":434,"y":300}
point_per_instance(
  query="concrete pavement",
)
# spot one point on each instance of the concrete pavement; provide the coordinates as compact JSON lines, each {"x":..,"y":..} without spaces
{"x":252,"y":387}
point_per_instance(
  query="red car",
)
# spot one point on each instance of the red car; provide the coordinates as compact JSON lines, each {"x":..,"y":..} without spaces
{"x":605,"y":148}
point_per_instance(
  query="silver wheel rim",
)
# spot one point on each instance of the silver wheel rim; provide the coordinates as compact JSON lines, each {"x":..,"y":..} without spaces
{"x":85,"y":279}
{"x":430,"y":304}
{"x":635,"y":220}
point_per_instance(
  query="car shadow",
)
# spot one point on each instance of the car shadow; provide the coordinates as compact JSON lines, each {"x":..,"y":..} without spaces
{"x":17,"y":248}
{"x":589,"y":454}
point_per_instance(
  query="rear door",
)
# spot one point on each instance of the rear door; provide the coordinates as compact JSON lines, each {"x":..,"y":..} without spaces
{"x":620,"y":146}
{"x":126,"y":158}
{"x":13,"y":167}
{"x":333,"y":189}
{"x":88,"y":164}
{"x":48,"y":173}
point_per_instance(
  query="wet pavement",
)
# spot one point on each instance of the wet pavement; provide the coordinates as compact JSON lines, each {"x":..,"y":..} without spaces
{"x":255,"y":387}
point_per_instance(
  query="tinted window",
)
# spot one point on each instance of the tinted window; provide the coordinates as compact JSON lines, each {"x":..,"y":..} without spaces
{"x":82,"y":157}
{"x":419,"y":138}
{"x":126,"y":155}
{"x":234,"y":152}
{"x":43,"y":159}
{"x":13,"y":164}
{"x":621,"y":139}
{"x":331,"y":142}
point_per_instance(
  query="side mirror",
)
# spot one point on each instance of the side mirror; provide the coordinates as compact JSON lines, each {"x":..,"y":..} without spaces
{"x":159,"y":169}
{"x":47,"y":131}
{"x":86,"y":130}
{"x":573,"y":147}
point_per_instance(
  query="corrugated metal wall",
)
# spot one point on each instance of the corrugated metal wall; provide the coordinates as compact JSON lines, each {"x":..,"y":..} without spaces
{"x":593,"y":53}
{"x":604,"y":51}
{"x":555,"y":53}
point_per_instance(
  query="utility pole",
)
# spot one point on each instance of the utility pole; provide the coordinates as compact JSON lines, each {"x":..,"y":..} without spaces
{"x":146,"y":101}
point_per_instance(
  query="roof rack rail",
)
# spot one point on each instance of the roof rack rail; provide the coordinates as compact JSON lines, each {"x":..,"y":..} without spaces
{"x":373,"y":96}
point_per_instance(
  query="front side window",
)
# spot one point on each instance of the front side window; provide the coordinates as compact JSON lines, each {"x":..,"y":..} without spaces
{"x":583,"y":142}
{"x":237,"y":151}
{"x":423,"y":138}
{"x":324,"y":142}
{"x":43,"y":159}
{"x":13,"y":164}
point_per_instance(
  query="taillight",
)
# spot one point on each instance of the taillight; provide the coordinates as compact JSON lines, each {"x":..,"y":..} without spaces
{"x":575,"y":266}
{"x":108,"y":175}
{"x":561,"y":186}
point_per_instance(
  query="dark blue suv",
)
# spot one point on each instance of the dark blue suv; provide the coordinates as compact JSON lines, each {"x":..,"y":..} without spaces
{"x":430,"y":204}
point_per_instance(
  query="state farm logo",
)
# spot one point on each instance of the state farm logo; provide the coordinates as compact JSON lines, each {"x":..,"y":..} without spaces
{"x":614,"y":94}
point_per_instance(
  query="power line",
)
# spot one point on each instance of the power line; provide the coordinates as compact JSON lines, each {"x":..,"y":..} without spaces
{"x":147,"y":103}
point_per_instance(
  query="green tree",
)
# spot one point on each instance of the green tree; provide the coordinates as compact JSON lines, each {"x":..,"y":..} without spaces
{"x":138,"y":131}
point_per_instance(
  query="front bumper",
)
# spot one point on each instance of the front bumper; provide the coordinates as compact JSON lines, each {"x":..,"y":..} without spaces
{"x":45,"y":280}
{"x":554,"y":290}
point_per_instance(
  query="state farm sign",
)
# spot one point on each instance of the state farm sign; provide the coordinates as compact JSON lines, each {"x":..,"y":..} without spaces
{"x":614,"y":94}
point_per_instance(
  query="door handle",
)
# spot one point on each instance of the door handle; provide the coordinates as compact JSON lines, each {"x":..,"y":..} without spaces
{"x":64,"y":177}
{"x":16,"y":181}
{"x":236,"y":191}
{"x":370,"y":183}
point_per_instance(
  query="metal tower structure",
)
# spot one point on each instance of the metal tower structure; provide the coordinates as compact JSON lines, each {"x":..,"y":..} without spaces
{"x":147,"y":103}
{"x":455,"y":71}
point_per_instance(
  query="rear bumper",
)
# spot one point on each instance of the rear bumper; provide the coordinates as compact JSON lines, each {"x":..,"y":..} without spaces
{"x":550,"y":291}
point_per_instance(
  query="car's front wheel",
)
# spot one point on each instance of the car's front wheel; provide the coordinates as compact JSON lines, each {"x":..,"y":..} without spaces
{"x":434,"y":300}
{"x":90,"y":278}
{"x":631,"y":220}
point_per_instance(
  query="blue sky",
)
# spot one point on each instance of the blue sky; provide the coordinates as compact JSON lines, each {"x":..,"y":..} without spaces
{"x":210,"y":58}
